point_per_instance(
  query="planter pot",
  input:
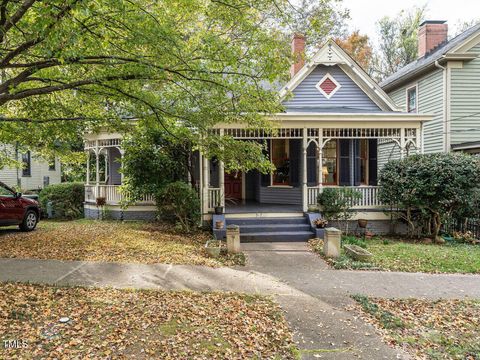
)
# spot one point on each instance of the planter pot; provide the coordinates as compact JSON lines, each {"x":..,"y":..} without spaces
{"x":358,"y":253}
{"x":212,"y":247}
{"x":362,"y":223}
{"x":218,"y":210}
{"x":219,"y":224}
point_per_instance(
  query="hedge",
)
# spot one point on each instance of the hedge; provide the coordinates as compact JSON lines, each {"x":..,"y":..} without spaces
{"x":67,"y":200}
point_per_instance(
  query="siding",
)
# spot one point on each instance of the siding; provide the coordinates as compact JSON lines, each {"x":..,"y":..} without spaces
{"x":40,"y":169}
{"x":279,"y":195}
{"x":465,"y":102}
{"x":348,"y":98}
{"x":430,"y":101}
{"x":475,"y":49}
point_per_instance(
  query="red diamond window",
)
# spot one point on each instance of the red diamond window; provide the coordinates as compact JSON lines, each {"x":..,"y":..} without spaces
{"x":328,"y":86}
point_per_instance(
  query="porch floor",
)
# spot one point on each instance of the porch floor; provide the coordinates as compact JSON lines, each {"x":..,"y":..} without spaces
{"x":255,"y":207}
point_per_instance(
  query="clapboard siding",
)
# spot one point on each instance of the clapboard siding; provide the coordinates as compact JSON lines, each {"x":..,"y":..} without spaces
{"x":39,"y":170}
{"x":280,"y":195}
{"x":430,"y":101}
{"x":307,"y":97}
{"x":465,"y":102}
{"x":475,"y":49}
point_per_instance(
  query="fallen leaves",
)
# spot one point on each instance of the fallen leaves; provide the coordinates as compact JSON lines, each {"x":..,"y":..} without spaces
{"x":427,"y":329}
{"x":109,"y":241}
{"x":112,"y":323}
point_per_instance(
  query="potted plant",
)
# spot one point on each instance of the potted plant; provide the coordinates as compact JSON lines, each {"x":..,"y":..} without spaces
{"x":362,"y":223}
{"x":218,"y":206}
{"x":219,"y":224}
{"x":320,"y":223}
{"x":213,"y":247}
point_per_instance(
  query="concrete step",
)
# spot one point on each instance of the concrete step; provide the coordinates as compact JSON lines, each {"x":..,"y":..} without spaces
{"x":276,"y":236}
{"x":263,"y":221}
{"x":271,"y":228}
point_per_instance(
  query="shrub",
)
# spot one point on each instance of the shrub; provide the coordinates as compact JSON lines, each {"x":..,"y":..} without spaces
{"x":430,"y":188}
{"x":179,"y":201}
{"x":67,"y":200}
{"x":336,"y":204}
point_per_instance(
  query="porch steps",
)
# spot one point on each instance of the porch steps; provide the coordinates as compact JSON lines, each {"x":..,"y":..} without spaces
{"x":273,"y":229}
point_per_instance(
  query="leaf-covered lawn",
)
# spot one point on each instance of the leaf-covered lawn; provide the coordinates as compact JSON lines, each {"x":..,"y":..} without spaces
{"x":108,"y":241}
{"x":443,"y":329}
{"x":396,"y":255}
{"x":112,"y":323}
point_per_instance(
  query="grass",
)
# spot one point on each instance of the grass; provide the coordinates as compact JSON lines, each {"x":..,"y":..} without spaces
{"x":408,"y":256}
{"x":124,"y":324}
{"x":137,"y":242}
{"x":427,"y":329}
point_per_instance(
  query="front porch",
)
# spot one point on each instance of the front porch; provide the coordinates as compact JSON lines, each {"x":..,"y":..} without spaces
{"x":309,"y":160}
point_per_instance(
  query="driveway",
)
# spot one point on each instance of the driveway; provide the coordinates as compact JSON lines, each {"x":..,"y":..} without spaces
{"x":313,"y":297}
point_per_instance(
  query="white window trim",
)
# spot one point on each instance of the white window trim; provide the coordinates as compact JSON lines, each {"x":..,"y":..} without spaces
{"x":407,"y":89}
{"x":328,"y":76}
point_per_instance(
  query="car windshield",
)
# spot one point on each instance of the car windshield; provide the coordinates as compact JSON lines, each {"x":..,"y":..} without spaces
{"x":5,"y":191}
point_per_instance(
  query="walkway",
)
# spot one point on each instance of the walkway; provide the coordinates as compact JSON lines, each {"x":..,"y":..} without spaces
{"x":313,"y":296}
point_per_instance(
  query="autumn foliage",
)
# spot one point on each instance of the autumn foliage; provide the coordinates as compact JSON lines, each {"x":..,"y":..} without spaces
{"x":359,"y":48}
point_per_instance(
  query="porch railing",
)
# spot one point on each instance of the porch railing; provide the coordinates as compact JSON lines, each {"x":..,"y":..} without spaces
{"x":214,"y":198}
{"x":111,"y":194}
{"x":369,"y":196}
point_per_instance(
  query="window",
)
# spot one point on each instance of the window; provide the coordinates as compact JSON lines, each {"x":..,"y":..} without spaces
{"x":364,"y":161}
{"x":27,"y":166}
{"x":51,"y":165}
{"x":329,"y":166}
{"x":6,"y":192}
{"x":279,"y":151}
{"x":412,"y":100}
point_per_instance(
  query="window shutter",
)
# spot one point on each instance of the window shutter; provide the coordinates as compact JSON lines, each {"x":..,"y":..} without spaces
{"x":265,"y":178}
{"x":312,"y":164}
{"x":344,"y":170}
{"x":295,"y":168}
{"x":372,"y":162}
{"x":357,"y":162}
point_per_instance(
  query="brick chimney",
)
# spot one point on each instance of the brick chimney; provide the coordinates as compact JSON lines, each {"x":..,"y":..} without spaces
{"x":431,"y":34}
{"x":298,"y":53}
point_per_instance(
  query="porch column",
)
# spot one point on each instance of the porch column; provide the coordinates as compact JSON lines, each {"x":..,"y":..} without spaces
{"x":205,"y":183}
{"x":418,"y":141}
{"x":87,"y":182}
{"x":122,"y":153}
{"x":320,"y":158}
{"x":304,"y":170}
{"x":221,"y":178}
{"x":402,"y":143}
{"x":97,"y":170}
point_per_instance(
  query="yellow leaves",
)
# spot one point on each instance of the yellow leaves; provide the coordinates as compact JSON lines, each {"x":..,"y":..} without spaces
{"x":108,"y":241}
{"x":153,"y":324}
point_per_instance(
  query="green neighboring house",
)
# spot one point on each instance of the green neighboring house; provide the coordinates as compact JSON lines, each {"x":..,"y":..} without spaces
{"x":445,"y":82}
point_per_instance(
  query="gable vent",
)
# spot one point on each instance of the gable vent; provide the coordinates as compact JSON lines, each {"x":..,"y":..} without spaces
{"x":328,"y":86}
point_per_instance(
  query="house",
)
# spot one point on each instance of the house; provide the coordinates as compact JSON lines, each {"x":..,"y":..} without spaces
{"x":335,"y":119}
{"x":35,"y":174}
{"x":443,"y":81}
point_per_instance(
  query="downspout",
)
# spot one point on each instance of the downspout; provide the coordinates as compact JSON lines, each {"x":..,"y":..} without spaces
{"x":446,"y":142}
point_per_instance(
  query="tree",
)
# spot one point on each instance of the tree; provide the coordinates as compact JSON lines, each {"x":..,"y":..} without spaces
{"x":398,"y":40}
{"x":359,"y":48}
{"x":434,"y":187}
{"x":72,"y":65}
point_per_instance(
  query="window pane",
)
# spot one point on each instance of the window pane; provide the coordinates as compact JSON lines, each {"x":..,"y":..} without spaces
{"x":26,"y":164}
{"x":412,"y":100}
{"x":281,"y":175}
{"x":363,"y":161}
{"x":329,"y":165}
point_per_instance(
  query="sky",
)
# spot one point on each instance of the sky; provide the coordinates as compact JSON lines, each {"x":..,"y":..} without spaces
{"x":365,"y":13}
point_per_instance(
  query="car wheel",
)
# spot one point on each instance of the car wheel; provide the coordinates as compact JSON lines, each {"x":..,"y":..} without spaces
{"x":29,"y":221}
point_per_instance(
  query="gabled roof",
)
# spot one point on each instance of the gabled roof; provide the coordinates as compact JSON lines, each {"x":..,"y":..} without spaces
{"x":331,"y":54}
{"x":453,"y":50}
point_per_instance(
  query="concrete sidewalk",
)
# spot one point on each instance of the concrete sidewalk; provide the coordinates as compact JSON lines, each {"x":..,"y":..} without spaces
{"x":313,"y":297}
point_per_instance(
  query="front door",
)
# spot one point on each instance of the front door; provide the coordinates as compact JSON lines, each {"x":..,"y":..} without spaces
{"x":233,"y":186}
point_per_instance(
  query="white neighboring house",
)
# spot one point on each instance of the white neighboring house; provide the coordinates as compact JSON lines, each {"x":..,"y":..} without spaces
{"x":35,"y":174}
